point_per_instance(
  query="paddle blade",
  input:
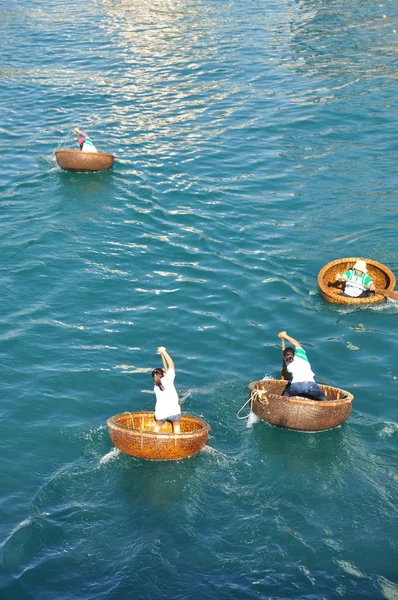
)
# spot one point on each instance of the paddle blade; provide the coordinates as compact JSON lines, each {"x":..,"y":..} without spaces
{"x":387,"y":293}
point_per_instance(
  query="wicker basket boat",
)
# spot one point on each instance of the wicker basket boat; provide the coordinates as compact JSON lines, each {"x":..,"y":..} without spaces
{"x":132,"y":434}
{"x":76,"y":160}
{"x":299,"y":413}
{"x":332,"y":291}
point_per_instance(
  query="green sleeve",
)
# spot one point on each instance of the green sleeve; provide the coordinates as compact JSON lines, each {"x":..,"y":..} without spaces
{"x":300,"y":353}
{"x":367,"y":281}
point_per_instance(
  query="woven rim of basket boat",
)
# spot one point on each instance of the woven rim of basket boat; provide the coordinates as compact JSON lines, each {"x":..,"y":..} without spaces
{"x":80,"y":152}
{"x":323,"y":284}
{"x":348,"y":397}
{"x":205,"y":427}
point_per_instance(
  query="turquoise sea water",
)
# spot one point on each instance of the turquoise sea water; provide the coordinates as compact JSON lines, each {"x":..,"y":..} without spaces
{"x":255,"y":142}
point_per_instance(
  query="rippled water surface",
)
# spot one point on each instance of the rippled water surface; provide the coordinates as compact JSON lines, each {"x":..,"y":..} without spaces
{"x":254,"y":143}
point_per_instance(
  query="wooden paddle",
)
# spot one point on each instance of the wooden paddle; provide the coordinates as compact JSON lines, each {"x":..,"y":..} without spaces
{"x":284,"y":371}
{"x":387,"y":293}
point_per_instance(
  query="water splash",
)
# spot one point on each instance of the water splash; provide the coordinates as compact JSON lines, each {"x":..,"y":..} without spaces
{"x":111,"y":455}
{"x":252,"y":420}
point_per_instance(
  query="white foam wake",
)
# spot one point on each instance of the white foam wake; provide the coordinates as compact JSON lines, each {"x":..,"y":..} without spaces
{"x":252,"y":419}
{"x":114,"y":453}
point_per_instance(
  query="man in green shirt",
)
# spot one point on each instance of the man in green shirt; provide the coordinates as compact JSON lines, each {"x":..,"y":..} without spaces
{"x":358,"y":284}
{"x":297,"y":364}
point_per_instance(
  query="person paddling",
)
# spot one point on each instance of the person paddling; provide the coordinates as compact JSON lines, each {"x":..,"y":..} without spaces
{"x":297,"y":364}
{"x":84,"y":141}
{"x":358,"y":284}
{"x":167,"y":402}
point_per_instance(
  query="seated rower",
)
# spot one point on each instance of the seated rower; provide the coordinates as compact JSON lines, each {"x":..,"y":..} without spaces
{"x":297,"y":364}
{"x":84,"y":141}
{"x":358,"y":284}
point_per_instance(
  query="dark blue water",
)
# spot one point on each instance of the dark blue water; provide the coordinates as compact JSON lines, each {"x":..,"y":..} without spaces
{"x":254,"y":143}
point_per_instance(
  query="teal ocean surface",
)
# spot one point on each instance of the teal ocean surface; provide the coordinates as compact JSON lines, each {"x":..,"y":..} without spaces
{"x":255,"y":142}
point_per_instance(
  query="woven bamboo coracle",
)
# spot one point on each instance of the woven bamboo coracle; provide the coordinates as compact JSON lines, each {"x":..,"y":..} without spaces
{"x":76,"y":160}
{"x":332,"y":291}
{"x":133,"y":434}
{"x":296,"y":412}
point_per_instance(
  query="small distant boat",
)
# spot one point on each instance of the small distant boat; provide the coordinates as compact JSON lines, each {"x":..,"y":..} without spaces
{"x":132,"y":433}
{"x":294,"y":412}
{"x":76,"y":160}
{"x":332,"y":291}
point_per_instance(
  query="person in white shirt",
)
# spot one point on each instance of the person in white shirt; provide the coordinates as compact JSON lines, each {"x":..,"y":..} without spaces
{"x":167,"y":402}
{"x":297,"y":364}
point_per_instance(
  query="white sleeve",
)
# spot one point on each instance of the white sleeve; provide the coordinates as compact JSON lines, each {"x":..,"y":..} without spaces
{"x":170,"y":375}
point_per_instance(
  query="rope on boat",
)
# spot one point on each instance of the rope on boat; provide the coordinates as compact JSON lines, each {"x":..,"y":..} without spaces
{"x":254,"y":395}
{"x":127,"y":412}
{"x":259,"y":394}
{"x":132,"y":418}
{"x":242,"y":407}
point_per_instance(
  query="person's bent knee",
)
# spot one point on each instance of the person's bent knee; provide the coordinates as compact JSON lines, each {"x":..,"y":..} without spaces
{"x":286,"y":391}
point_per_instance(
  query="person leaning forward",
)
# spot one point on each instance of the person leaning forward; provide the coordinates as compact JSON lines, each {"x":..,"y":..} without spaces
{"x":84,"y":141}
{"x":297,"y":364}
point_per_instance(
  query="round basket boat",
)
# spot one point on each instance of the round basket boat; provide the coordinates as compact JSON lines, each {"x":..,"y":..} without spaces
{"x":132,"y":434}
{"x":76,"y":160}
{"x":299,"y":413}
{"x":332,"y":291}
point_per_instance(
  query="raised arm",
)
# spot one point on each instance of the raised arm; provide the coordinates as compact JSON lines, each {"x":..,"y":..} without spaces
{"x":166,"y":358}
{"x":283,"y":335}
